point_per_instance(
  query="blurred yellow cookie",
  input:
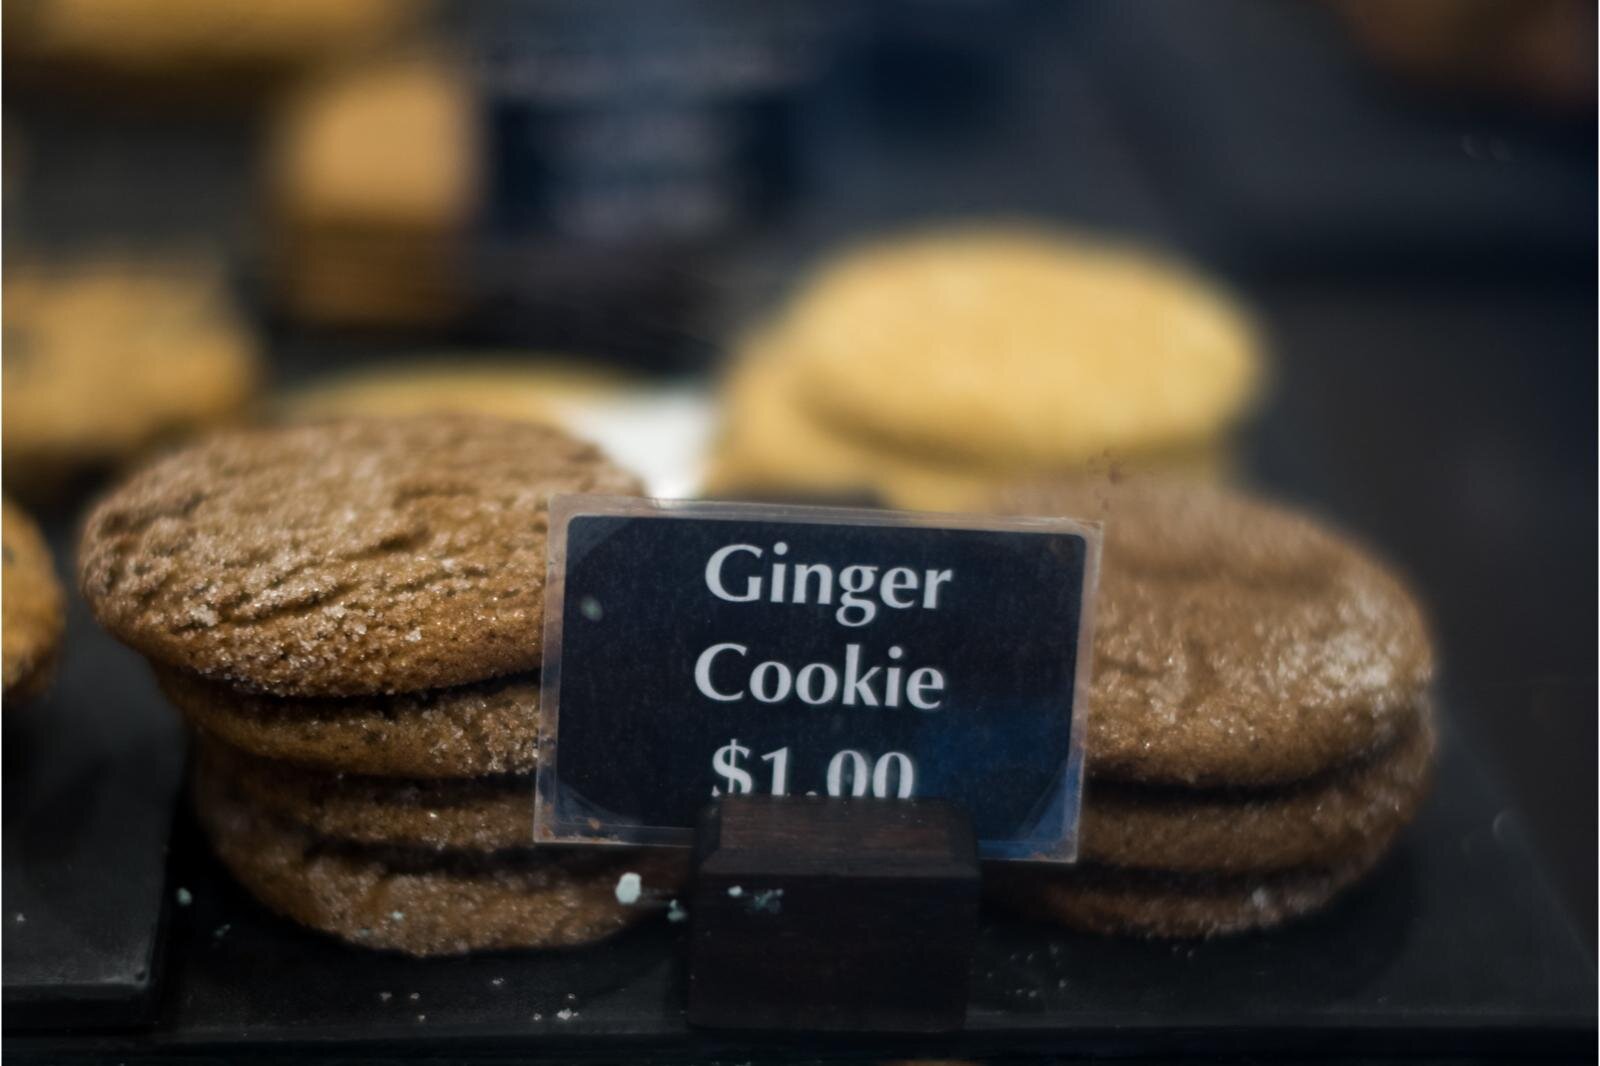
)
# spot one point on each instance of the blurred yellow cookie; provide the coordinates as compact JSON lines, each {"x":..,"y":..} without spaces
{"x":189,"y":38}
{"x":769,"y":443}
{"x":374,"y":178}
{"x":103,"y":359}
{"x":528,"y":391}
{"x":389,"y":143}
{"x":33,"y":606}
{"x":1018,"y":348}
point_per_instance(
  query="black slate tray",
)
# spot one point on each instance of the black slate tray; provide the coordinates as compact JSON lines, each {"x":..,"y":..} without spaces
{"x":91,"y":770}
{"x":1455,"y":947}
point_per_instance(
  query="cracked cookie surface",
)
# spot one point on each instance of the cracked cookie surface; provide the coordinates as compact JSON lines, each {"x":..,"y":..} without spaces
{"x":1236,"y":643}
{"x":346,"y":558}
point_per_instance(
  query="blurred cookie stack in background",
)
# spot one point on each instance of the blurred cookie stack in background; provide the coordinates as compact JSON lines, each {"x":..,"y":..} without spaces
{"x":374,"y":179}
{"x":108,"y":357}
{"x":927,"y":370}
{"x":350,"y":615}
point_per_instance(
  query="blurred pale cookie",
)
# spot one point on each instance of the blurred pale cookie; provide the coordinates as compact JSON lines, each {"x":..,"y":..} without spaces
{"x":33,"y":604}
{"x":526,"y":391}
{"x":1018,"y":348}
{"x":771,"y":443}
{"x":185,"y":39}
{"x":103,"y":359}
{"x":390,"y":142}
{"x":374,"y":178}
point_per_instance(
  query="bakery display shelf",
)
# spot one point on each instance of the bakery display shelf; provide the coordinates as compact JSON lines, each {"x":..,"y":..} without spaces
{"x":1455,"y":947}
{"x":92,"y":769}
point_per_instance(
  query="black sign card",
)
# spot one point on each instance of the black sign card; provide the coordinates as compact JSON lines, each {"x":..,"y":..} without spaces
{"x":694,"y":650}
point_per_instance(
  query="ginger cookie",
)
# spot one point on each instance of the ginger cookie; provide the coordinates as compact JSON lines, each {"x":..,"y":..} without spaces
{"x":490,"y":727}
{"x":1159,"y":904}
{"x":34,"y":607}
{"x":375,"y":178}
{"x":1259,"y":728}
{"x":1236,"y":643}
{"x":430,"y":903}
{"x":1019,"y":347}
{"x":346,"y":558}
{"x":481,"y":814}
{"x":1324,"y":822}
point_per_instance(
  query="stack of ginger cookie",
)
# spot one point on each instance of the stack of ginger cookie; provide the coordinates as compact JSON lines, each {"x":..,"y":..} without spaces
{"x":1259,"y":726}
{"x":350,"y":613}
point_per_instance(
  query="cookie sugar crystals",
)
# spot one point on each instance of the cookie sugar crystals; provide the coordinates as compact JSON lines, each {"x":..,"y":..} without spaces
{"x":350,"y":615}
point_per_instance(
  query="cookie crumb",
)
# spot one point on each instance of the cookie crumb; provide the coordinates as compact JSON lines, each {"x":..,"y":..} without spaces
{"x":566,"y":1014}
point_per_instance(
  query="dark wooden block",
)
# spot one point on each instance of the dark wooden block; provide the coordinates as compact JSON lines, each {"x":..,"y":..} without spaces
{"x":833,"y":914}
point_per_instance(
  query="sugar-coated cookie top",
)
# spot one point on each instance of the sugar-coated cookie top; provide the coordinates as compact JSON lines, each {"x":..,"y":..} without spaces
{"x":1018,"y":347}
{"x":340,"y":558}
{"x":1237,"y":643}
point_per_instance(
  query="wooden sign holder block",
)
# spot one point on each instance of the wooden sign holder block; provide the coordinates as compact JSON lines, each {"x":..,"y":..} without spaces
{"x":852,"y":915}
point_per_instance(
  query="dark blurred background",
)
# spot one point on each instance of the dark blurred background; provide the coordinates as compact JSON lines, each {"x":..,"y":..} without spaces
{"x":1403,"y":193}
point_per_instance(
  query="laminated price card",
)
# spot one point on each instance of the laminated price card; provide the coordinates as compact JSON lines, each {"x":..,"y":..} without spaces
{"x":699,"y":650}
